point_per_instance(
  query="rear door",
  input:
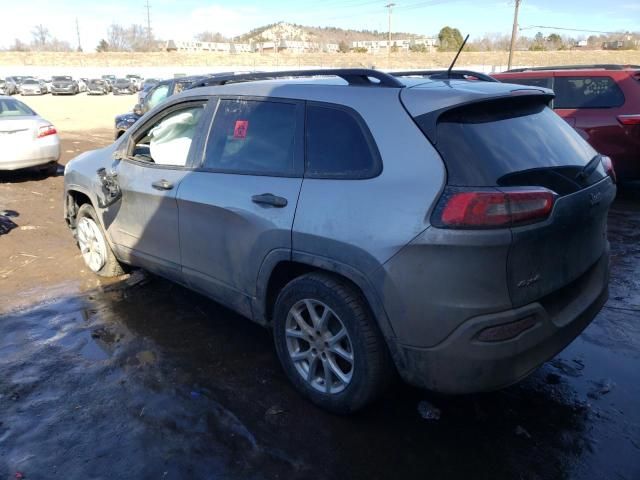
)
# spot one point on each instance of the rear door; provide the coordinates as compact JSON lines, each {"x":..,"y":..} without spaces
{"x":240,"y":204}
{"x":144,"y":223}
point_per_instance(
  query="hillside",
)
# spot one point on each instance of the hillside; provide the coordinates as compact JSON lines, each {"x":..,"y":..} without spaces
{"x":289,"y":31}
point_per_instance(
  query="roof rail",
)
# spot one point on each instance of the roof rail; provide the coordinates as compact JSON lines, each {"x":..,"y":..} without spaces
{"x":445,"y":74}
{"x":599,"y":66}
{"x":353,"y":76}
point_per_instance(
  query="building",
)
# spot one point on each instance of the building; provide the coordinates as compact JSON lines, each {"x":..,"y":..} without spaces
{"x":376,"y":46}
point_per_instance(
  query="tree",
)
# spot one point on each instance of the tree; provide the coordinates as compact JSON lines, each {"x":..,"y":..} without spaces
{"x":420,"y":48}
{"x":103,"y":46}
{"x":450,"y":39}
{"x":555,"y":41}
{"x":19,"y":46}
{"x":41,"y":36}
{"x":134,"y":38}
{"x":343,"y":47}
{"x":538,"y":42}
{"x":207,"y":36}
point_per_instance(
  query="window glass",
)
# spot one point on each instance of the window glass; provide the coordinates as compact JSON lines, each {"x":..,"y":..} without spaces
{"x":157,"y":95}
{"x":168,"y":141}
{"x":14,"y":108}
{"x":532,"y":82}
{"x":508,"y":142}
{"x":587,"y":92}
{"x":336,"y":145}
{"x":250,"y":136}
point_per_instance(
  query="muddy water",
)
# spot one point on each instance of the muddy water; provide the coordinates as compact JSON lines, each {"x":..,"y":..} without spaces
{"x":149,"y":380}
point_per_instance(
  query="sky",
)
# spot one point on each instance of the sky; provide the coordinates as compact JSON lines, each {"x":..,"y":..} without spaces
{"x":181,"y":19}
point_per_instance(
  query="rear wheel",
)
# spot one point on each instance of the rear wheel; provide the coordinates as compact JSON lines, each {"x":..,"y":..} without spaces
{"x":93,"y":244}
{"x":329,"y":344}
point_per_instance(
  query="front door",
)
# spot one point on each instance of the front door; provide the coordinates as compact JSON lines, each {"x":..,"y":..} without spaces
{"x":240,"y":205}
{"x":145,"y":222}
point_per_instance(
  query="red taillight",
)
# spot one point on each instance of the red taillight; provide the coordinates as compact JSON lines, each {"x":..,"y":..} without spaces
{"x":608,"y":168}
{"x":46,"y":130}
{"x":494,"y":208}
{"x":629,"y":119}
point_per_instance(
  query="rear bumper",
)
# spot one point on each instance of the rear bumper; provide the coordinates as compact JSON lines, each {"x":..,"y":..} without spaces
{"x":41,"y":152}
{"x":464,"y":364}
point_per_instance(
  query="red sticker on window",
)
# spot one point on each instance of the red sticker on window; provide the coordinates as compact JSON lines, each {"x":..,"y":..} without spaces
{"x":240,"y":130}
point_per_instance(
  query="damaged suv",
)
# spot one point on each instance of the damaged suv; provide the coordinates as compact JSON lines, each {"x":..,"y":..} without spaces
{"x":452,"y":230}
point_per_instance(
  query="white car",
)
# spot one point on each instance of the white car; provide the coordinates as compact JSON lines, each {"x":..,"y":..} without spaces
{"x":82,"y":87}
{"x":26,"y":139}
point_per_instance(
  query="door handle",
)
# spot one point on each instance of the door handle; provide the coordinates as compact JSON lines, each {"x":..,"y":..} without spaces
{"x":269,"y":199}
{"x":162,"y":185}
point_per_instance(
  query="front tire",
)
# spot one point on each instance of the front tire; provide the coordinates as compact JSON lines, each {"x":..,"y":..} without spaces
{"x":329,"y":344}
{"x":93,"y":244}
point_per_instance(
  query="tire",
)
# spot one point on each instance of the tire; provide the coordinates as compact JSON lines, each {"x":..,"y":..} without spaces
{"x":370,"y":370}
{"x":109,"y":266}
{"x":50,"y":169}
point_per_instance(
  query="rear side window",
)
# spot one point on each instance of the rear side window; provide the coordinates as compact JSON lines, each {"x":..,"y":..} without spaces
{"x":253,"y":137}
{"x":587,"y":92}
{"x":338,"y":145}
{"x":513,"y":142}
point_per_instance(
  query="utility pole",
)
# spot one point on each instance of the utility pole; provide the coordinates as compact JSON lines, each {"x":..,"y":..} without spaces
{"x":514,"y":33}
{"x":390,"y":7}
{"x":78,"y":32}
{"x":148,"y":7}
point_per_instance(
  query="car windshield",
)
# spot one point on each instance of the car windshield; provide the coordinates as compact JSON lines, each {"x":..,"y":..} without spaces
{"x":61,"y":79}
{"x":96,"y":82}
{"x":122,"y":82}
{"x":14,"y":108}
{"x":30,"y":82}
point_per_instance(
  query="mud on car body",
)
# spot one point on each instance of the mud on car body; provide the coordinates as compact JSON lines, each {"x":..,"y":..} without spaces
{"x":450,"y":229}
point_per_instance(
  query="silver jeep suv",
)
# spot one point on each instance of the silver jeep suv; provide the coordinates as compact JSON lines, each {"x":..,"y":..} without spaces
{"x":443,"y":226}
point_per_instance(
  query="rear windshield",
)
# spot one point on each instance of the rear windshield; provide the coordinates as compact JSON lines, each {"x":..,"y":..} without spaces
{"x":14,"y":108}
{"x":511,"y":142}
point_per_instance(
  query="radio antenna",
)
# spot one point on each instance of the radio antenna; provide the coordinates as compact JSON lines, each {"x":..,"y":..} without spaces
{"x":455,"y":59}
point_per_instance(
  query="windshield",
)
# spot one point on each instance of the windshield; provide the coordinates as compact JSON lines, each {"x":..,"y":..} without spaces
{"x":513,"y":142}
{"x":96,"y":82}
{"x":30,"y":82}
{"x":14,"y":108}
{"x":61,"y":79}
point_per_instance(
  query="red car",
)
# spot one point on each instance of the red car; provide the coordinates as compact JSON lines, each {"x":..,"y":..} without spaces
{"x":602,"y":102}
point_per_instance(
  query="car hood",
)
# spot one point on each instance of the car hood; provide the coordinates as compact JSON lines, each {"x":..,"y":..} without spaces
{"x":127,"y":117}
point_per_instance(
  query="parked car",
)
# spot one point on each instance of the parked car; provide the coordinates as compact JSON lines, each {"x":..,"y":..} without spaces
{"x":17,"y":79}
{"x":147,"y":85}
{"x":111,"y":79}
{"x":602,"y":102}
{"x":453,"y":230}
{"x":64,"y":85}
{"x":26,"y":139}
{"x":155,"y":95}
{"x":97,"y":86}
{"x":136,"y":81}
{"x":8,"y":87}
{"x":122,"y":86}
{"x":82,"y":86}
{"x":33,"y":86}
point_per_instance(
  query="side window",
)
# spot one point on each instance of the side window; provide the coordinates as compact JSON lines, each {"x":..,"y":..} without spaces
{"x":338,"y":146}
{"x":253,"y":137}
{"x":587,"y":92}
{"x":532,"y":82}
{"x":157,"y":95}
{"x":167,"y":141}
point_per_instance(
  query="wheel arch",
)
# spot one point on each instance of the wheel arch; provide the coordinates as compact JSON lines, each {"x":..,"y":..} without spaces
{"x":281,"y":266}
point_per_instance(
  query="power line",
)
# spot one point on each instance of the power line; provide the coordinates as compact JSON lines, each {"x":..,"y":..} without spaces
{"x":570,"y":29}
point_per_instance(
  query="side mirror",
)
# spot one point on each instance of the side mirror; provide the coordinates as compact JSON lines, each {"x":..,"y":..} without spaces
{"x":137,"y":109}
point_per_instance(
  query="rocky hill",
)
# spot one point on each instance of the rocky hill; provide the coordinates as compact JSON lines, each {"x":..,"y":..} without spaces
{"x":289,"y":31}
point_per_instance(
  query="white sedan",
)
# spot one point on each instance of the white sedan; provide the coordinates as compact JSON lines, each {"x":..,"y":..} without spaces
{"x":26,"y":139}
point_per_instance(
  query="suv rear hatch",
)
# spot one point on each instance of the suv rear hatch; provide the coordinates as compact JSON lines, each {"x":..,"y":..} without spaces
{"x":513,"y":163}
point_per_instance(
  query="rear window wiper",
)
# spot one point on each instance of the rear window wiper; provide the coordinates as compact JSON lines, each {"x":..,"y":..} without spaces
{"x":589,"y":168}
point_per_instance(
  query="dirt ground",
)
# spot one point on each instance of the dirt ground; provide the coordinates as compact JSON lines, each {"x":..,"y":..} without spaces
{"x":141,"y":378}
